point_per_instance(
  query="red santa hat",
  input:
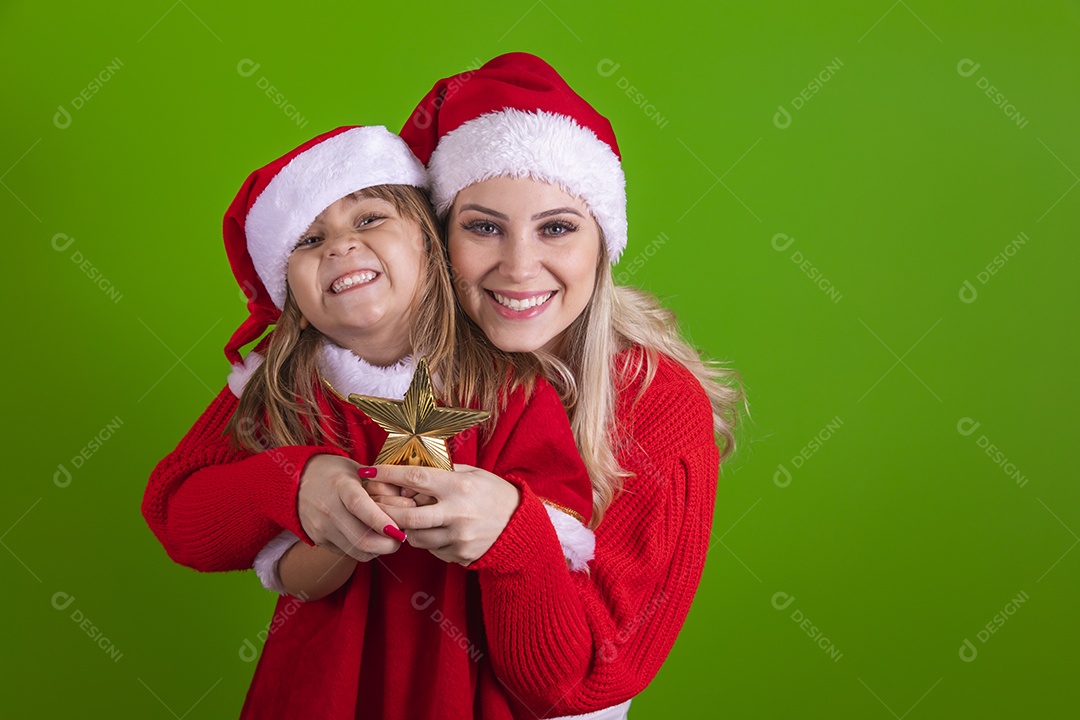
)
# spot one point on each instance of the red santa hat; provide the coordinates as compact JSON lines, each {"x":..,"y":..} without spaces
{"x":279,"y":201}
{"x":516,"y":116}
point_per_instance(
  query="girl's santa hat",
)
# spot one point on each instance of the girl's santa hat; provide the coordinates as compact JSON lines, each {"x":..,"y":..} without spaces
{"x":516,"y":116}
{"x":278,"y":202}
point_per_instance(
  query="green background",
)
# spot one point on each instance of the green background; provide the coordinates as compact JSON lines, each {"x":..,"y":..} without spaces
{"x":900,"y":179}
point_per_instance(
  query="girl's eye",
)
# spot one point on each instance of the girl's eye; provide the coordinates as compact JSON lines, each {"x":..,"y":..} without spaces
{"x":481,"y":227}
{"x":365,"y":220}
{"x":308,"y":240}
{"x":558,"y":228}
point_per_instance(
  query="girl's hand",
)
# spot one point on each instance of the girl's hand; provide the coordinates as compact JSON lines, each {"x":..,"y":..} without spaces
{"x":471,"y":510}
{"x":387,"y":494}
{"x":338,"y":514}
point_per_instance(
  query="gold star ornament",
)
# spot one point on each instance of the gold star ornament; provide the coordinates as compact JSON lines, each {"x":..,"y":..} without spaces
{"x":417,"y":427}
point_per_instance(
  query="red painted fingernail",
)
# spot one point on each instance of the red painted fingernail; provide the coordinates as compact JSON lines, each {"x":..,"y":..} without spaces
{"x":391,"y":531}
{"x":366,"y":472}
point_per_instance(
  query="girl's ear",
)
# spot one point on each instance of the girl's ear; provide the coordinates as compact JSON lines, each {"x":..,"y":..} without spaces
{"x":304,"y":323}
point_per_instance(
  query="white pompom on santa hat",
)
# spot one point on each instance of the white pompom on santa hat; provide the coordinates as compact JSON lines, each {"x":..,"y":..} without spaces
{"x":516,"y":117}
{"x":279,"y":201}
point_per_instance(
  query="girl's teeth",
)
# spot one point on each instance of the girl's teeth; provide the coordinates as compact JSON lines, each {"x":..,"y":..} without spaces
{"x":349,"y":280}
{"x":525,"y":304}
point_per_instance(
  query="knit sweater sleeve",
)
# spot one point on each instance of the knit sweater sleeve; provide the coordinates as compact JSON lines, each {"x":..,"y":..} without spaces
{"x":213,"y":506}
{"x":532,"y":444}
{"x":565,"y":642}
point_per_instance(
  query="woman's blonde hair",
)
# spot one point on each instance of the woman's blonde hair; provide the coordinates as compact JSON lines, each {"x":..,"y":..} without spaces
{"x":278,"y":405}
{"x":584,"y":372}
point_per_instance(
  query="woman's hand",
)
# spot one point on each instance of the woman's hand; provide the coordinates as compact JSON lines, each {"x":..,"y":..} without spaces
{"x":471,"y":510}
{"x":338,"y":514}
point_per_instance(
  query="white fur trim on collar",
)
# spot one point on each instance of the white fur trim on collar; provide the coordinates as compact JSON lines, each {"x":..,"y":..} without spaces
{"x":540,"y":145}
{"x":343,"y":369}
{"x":349,"y":374}
{"x":578,"y":542}
{"x":317,"y":178}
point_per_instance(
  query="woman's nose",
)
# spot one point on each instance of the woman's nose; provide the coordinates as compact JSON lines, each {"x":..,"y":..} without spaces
{"x":520,"y":260}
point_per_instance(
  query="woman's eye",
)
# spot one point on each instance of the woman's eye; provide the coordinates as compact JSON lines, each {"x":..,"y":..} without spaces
{"x":481,"y":227}
{"x":558,"y":228}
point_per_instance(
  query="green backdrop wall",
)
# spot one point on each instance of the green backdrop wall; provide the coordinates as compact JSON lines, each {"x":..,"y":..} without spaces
{"x":863,"y":206}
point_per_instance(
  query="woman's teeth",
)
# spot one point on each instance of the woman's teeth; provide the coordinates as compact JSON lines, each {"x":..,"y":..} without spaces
{"x":349,"y":281}
{"x":525,"y":304}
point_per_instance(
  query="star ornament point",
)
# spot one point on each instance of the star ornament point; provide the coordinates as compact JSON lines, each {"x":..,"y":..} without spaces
{"x":417,"y":428}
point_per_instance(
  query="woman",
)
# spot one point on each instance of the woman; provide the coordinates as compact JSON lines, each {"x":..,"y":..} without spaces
{"x":528,"y":179}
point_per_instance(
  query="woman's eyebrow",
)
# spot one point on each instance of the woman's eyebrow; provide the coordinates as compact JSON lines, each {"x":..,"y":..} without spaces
{"x":486,"y":211}
{"x":556,"y":211}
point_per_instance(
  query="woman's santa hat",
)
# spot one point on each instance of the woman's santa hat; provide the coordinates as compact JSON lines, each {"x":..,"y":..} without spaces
{"x":516,"y":117}
{"x":278,"y":202}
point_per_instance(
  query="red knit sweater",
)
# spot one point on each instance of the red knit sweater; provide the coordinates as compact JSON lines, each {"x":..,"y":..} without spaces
{"x":515,"y":635}
{"x":565,"y":642}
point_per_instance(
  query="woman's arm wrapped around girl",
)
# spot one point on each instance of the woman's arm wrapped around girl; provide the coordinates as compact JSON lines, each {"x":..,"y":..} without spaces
{"x":213,"y":505}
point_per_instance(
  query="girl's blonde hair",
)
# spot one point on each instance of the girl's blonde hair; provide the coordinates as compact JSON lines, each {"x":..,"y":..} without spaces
{"x":278,"y":405}
{"x":584,"y":373}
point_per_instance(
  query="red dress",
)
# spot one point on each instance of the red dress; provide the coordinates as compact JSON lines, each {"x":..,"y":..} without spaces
{"x":517,"y":634}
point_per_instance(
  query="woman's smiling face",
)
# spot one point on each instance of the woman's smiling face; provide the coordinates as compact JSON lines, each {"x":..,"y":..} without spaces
{"x":524,"y":255}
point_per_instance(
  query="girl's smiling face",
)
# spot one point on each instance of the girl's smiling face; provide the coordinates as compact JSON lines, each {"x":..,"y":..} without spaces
{"x":524,"y":254}
{"x":355,"y":276}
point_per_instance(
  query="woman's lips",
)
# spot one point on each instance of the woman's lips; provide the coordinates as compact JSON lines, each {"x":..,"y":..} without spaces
{"x":517,"y":305}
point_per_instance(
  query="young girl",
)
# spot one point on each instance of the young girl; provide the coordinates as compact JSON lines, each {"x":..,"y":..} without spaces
{"x":336,"y":245}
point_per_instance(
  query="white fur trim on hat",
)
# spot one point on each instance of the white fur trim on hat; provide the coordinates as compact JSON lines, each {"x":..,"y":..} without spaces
{"x":578,"y":542}
{"x":540,"y":145}
{"x":311,"y":182}
{"x":346,"y":371}
{"x":242,"y":372}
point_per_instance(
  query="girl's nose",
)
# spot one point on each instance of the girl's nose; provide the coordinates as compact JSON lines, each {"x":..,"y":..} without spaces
{"x":342,"y":243}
